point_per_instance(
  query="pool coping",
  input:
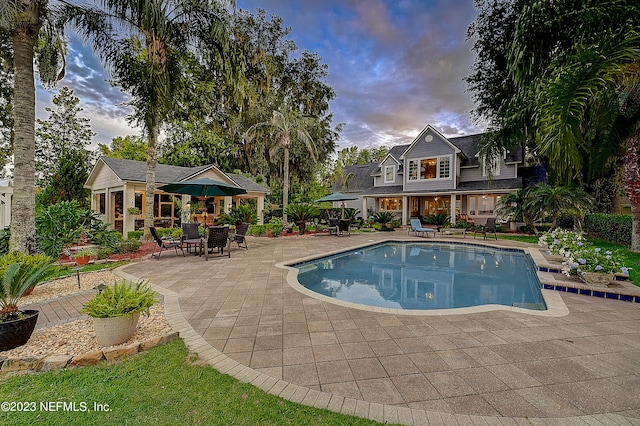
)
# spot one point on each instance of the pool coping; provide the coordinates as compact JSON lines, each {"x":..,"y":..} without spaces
{"x":555,"y":305}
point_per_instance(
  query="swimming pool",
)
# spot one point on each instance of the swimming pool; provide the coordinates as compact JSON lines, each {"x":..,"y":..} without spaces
{"x":426,"y":276}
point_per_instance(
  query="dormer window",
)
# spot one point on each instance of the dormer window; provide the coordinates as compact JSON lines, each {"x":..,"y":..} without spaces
{"x":389,"y":174}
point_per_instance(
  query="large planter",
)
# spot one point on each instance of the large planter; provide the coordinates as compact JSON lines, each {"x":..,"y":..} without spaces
{"x":596,"y":278}
{"x":116,"y":330}
{"x":17,"y":332}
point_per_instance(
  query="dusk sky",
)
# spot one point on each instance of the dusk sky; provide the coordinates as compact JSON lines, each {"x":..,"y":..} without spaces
{"x":396,"y":66}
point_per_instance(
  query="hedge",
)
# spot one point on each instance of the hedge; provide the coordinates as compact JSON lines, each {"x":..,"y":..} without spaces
{"x":615,"y":228}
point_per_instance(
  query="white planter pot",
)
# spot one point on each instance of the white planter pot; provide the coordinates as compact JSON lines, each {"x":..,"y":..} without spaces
{"x":114,"y":331}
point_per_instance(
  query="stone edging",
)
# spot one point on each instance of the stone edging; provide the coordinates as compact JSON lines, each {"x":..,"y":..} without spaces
{"x":60,"y":362}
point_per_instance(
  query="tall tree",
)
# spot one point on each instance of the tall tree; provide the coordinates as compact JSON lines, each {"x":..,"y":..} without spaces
{"x":143,"y":44}
{"x":128,"y":147}
{"x":579,"y":63}
{"x":33,"y":37}
{"x":64,"y":132}
{"x":280,"y":133}
{"x":6,"y":98}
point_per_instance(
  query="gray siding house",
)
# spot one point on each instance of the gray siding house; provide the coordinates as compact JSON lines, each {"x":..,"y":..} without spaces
{"x":433,"y":174}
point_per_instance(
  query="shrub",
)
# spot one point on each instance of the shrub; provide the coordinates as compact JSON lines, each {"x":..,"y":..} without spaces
{"x":302,"y":211}
{"x":383,"y":217}
{"x":611,"y":227}
{"x":129,"y":246}
{"x":238,"y":214}
{"x":5,"y":235}
{"x":104,"y":253}
{"x":438,"y":219}
{"x":120,"y":300}
{"x":257,"y":230}
{"x":134,"y":235}
{"x":59,"y":225}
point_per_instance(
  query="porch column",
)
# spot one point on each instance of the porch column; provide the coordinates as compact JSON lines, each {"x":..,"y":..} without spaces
{"x":452,"y":206}
{"x":185,"y":214}
{"x":260,"y":208}
{"x":405,"y":210}
{"x":228,"y":201}
{"x":364,"y":208}
{"x":128,"y":200}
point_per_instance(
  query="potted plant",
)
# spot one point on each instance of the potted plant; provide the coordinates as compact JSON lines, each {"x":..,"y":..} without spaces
{"x":302,"y":213}
{"x":83,"y":256}
{"x":116,"y":309}
{"x":16,"y":280}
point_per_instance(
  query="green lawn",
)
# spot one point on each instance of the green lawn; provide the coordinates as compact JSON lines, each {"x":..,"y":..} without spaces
{"x":161,"y":387}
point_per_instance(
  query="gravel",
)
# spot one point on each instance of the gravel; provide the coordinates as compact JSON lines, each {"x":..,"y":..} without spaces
{"x":77,"y":337}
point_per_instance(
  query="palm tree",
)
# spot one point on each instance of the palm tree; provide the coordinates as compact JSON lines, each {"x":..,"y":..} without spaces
{"x":285,"y":129}
{"x":143,"y":44}
{"x":29,"y":23}
{"x":587,"y":91}
{"x":557,"y":200}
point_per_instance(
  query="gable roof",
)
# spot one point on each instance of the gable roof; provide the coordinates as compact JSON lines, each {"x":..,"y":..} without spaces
{"x":136,"y":171}
{"x":422,"y":133}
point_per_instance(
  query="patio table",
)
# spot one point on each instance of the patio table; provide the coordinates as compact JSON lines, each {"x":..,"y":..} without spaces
{"x":194,"y":242}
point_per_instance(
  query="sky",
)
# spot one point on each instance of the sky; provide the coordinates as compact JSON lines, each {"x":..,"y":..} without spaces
{"x":396,"y":66}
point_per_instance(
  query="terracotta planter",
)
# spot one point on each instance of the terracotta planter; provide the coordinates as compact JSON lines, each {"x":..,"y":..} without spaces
{"x":17,"y":332}
{"x":114,"y":331}
{"x":82,"y":260}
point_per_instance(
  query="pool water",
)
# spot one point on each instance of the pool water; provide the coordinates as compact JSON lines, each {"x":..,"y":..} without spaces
{"x":426,"y":276}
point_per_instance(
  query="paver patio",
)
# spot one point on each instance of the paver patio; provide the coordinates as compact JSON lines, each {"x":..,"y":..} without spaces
{"x":496,"y":367}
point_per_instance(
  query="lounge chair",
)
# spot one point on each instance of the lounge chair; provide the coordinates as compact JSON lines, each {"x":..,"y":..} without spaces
{"x":218,"y":238}
{"x":240,"y":236}
{"x":416,"y":228}
{"x":164,"y":244}
{"x":344,"y":226}
{"x":191,"y":236}
{"x":489,"y":227}
{"x":333,"y":226}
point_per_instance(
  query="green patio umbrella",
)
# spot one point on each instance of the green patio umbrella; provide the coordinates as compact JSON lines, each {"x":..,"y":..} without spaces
{"x":337,"y":196}
{"x":203,"y":187}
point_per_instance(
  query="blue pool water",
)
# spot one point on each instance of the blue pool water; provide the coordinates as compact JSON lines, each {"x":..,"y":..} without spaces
{"x":426,"y":276}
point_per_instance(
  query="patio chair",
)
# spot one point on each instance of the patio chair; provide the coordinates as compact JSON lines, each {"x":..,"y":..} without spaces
{"x":344,"y":225}
{"x":218,"y":238}
{"x":191,"y":236}
{"x":489,"y":227}
{"x":333,"y":226}
{"x":164,"y":244}
{"x":417,"y":228}
{"x":240,"y":235}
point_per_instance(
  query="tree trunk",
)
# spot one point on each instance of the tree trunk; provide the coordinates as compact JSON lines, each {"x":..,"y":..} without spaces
{"x":632,"y":186}
{"x":150,"y":190}
{"x":23,"y":223}
{"x":285,"y":185}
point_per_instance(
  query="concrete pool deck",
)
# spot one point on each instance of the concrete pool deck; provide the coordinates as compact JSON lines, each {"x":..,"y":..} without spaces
{"x":487,"y":367}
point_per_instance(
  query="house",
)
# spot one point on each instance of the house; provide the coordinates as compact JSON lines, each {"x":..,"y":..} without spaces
{"x":117,"y":185}
{"x":431,"y":175}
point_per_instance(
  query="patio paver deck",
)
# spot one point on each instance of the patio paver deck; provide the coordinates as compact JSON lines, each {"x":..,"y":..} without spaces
{"x":496,"y":367}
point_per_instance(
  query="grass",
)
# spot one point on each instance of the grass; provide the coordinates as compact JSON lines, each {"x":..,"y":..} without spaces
{"x":164,"y":386}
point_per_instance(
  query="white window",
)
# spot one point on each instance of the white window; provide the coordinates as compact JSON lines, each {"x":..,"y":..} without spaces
{"x":430,"y":168}
{"x":389,"y":174}
{"x":491,"y":167}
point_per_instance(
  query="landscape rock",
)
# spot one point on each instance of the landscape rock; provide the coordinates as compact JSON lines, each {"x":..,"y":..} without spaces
{"x":89,"y":358}
{"x":118,"y":352}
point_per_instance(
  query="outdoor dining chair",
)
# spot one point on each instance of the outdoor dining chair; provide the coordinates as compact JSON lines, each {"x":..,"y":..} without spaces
{"x":164,"y":244}
{"x":240,"y":236}
{"x":344,"y":227}
{"x":191,"y":236}
{"x":333,"y":226}
{"x":489,"y":227}
{"x":217,"y":239}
